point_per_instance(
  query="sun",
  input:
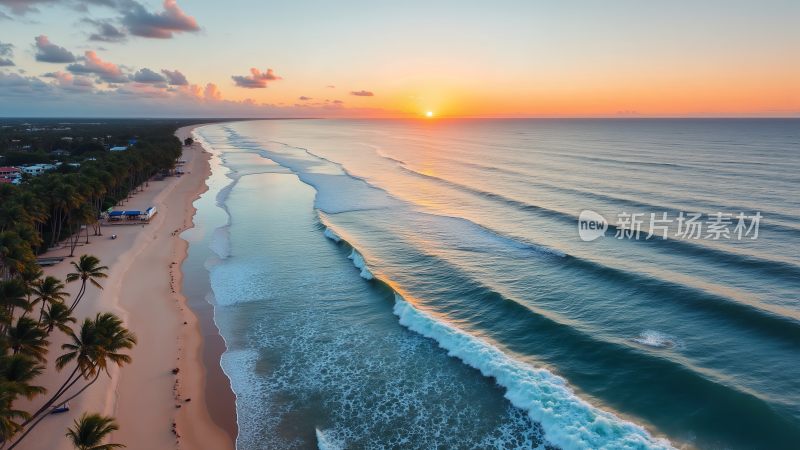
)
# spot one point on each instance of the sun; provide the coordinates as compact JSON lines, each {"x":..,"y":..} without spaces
{"x":429,"y":114}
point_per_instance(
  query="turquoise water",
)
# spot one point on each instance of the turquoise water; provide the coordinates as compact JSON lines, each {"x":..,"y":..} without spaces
{"x":422,"y":284}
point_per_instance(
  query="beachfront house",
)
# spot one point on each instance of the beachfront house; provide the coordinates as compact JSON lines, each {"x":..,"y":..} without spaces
{"x":37,"y":169}
{"x":134,"y":214}
{"x":9,"y":172}
{"x":10,"y":175}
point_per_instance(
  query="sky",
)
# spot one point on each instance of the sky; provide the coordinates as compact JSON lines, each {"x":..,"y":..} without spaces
{"x":345,"y":58}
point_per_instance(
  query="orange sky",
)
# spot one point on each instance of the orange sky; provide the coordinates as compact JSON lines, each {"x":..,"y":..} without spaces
{"x":458,"y":59}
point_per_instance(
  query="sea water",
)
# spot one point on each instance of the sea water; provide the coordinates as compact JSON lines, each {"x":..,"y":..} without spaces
{"x":423,"y":284}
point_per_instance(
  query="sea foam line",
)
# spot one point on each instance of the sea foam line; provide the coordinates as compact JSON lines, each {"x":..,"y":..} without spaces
{"x":359,"y":262}
{"x":568,"y":421}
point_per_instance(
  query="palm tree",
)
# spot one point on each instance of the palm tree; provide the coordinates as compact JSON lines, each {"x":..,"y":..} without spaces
{"x":57,"y":316}
{"x":27,"y":338}
{"x":29,"y":276}
{"x":16,"y":374}
{"x":87,"y":268}
{"x":9,"y":417}
{"x":48,"y":290}
{"x":98,"y":343}
{"x":90,"y":430}
{"x":12,"y":296}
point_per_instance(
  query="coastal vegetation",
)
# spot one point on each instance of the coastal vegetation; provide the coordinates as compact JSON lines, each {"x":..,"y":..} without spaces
{"x":59,"y":209}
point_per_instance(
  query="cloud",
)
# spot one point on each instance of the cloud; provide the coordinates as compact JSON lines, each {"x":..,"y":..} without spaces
{"x":338,"y":102}
{"x":212,"y":92}
{"x":256,"y":79}
{"x":46,"y":51}
{"x":304,"y":98}
{"x":143,"y":91}
{"x":141,"y":22}
{"x":6,"y":53}
{"x":147,"y":76}
{"x":362,"y":93}
{"x":106,"y":71}
{"x":175,"y":77}
{"x":68,"y":82}
{"x":106,"y":32}
{"x":12,"y":84}
{"x":22,"y":7}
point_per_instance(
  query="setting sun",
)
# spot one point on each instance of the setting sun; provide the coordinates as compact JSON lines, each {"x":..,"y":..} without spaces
{"x":429,"y":114}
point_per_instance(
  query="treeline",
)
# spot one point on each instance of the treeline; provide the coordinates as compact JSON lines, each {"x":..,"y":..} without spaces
{"x":54,"y":206}
{"x":39,"y":213}
{"x":30,"y":141}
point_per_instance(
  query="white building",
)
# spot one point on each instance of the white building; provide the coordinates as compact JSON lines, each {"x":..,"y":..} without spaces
{"x":37,"y":169}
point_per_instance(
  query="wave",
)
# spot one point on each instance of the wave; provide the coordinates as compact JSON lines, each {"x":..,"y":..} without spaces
{"x":330,"y":234}
{"x":773,"y":267}
{"x":786,"y":223}
{"x":328,"y":184}
{"x":655,"y":339}
{"x":359,"y":262}
{"x":326,"y":442}
{"x":769,"y":319}
{"x":628,"y":202}
{"x":568,"y":421}
{"x":587,"y":349}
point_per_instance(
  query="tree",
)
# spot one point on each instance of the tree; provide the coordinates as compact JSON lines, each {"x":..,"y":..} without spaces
{"x":88,"y":432}
{"x":12,"y":296}
{"x":27,"y":338}
{"x":98,"y":344}
{"x":87,"y":268}
{"x":188,"y":141}
{"x":16,"y":374}
{"x":57,"y":316}
{"x":48,"y":290}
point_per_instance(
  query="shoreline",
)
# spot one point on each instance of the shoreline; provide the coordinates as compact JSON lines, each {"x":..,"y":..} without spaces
{"x":203,"y":345}
{"x":144,"y":289}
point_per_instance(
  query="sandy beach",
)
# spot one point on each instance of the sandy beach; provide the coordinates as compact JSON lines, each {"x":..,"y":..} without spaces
{"x":155,"y":408}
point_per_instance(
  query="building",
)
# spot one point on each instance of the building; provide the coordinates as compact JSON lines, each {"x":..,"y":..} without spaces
{"x":117,"y":149}
{"x":37,"y":169}
{"x":9,"y":172}
{"x":10,"y":175}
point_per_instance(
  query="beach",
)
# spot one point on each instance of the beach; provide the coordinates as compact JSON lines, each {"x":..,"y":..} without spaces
{"x":156,"y":406}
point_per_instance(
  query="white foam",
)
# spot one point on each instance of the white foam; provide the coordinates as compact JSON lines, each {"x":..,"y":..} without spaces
{"x":359,"y":262}
{"x":327,"y":442}
{"x":330,"y":234}
{"x":568,"y":421}
{"x":655,"y":339}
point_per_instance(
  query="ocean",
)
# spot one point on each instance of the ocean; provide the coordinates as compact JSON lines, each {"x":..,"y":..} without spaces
{"x":428,"y":283}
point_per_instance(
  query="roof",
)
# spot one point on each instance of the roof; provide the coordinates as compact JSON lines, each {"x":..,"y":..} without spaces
{"x":133,"y":213}
{"x":118,"y":149}
{"x":9,"y":169}
{"x":116,"y":213}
